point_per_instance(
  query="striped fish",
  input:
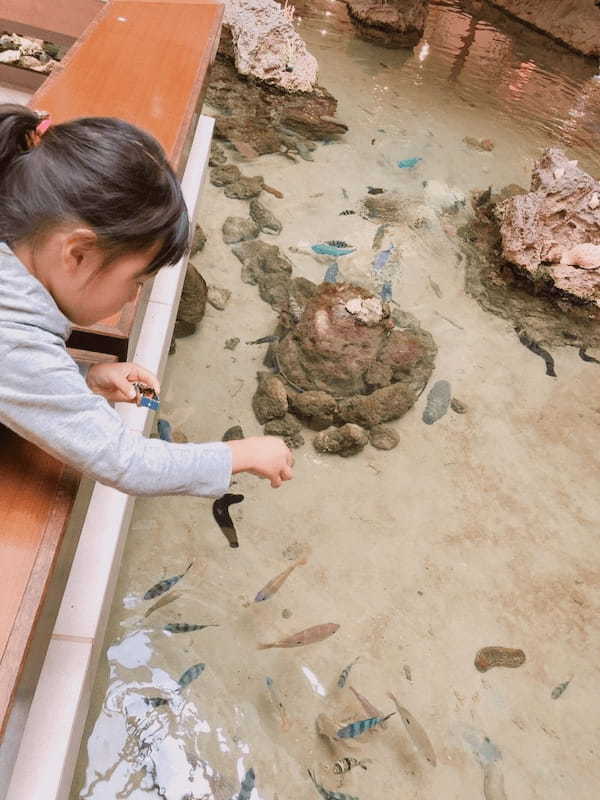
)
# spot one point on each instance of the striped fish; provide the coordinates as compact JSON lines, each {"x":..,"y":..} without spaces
{"x":163,"y":586}
{"x":190,"y":675}
{"x":185,"y":627}
{"x":328,"y":795}
{"x":247,"y":785}
{"x":345,"y":672}
{"x":164,"y":430}
{"x":155,"y":702}
{"x":368,"y":707}
{"x":362,"y":725}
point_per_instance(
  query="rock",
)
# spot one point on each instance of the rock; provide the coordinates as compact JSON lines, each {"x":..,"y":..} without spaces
{"x":547,"y":232}
{"x":382,"y":405}
{"x":235,"y":432}
{"x":288,"y":428}
{"x":458,"y":406}
{"x":317,"y":410}
{"x":396,"y":23}
{"x":34,"y":64}
{"x":218,"y":298}
{"x":383,"y":437}
{"x":51,"y":49}
{"x":10,"y":56}
{"x":192,"y":304}
{"x":239,"y":229}
{"x":217,"y":155}
{"x":345,"y":441}
{"x":222,"y":176}
{"x":263,"y":265}
{"x":198,"y":241}
{"x":270,"y":399}
{"x":265,"y":219}
{"x":245,"y":188}
{"x":264,"y":43}
{"x":231,"y":344}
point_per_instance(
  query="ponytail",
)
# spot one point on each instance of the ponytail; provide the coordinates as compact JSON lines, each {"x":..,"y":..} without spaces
{"x":104,"y":172}
{"x":17,"y":125}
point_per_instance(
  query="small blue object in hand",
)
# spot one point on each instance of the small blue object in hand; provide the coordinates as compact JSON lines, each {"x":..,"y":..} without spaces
{"x":406,"y":163}
{"x":147,"y":397}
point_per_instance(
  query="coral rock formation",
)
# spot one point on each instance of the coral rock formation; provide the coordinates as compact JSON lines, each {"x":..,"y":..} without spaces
{"x":552,"y":233}
{"x":345,"y":441}
{"x":192,"y":304}
{"x":396,"y":23}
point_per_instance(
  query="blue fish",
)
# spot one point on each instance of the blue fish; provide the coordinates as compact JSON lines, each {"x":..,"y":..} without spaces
{"x":357,"y":728}
{"x":327,"y":794}
{"x":386,"y":292}
{"x":382,"y":257}
{"x":331,"y":274}
{"x":247,"y":785}
{"x":164,"y":430}
{"x":408,"y":163}
{"x":330,"y":250}
{"x":191,"y":674}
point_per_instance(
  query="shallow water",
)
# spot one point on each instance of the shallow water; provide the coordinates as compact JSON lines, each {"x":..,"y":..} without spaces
{"x":477,"y":530}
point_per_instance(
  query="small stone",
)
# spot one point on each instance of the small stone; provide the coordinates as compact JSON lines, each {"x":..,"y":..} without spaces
{"x":192,"y":305}
{"x":235,"y":432}
{"x":239,"y":229}
{"x":458,"y":406}
{"x":222,"y":176}
{"x":286,"y":613}
{"x":594,"y":201}
{"x":231,"y":344}
{"x":270,"y":399}
{"x":244,"y":188}
{"x":218,"y":297}
{"x":53,"y":50}
{"x":489,"y":657}
{"x":288,"y":428}
{"x":198,"y":241}
{"x":217,"y":156}
{"x":383,"y":437}
{"x":345,"y":441}
{"x":316,"y":409}
{"x":264,"y":218}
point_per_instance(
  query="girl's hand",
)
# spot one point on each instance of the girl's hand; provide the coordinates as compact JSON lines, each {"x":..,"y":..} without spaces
{"x":115,"y":381}
{"x":264,"y":456}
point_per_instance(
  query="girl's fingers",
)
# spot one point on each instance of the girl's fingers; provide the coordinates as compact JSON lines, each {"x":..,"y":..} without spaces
{"x":286,"y":474}
{"x":141,"y":375}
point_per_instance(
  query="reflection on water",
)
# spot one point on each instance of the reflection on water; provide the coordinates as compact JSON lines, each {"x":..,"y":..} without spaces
{"x":464,"y":536}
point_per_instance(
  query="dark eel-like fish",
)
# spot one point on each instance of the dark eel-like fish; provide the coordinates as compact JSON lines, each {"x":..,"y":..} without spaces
{"x":536,"y":348}
{"x":223,"y":518}
{"x":584,"y":356}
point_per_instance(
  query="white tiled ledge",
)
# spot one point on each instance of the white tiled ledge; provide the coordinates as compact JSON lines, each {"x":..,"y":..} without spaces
{"x":50,"y":744}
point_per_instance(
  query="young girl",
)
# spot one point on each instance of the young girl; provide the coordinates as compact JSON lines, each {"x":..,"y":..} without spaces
{"x":89,"y":211}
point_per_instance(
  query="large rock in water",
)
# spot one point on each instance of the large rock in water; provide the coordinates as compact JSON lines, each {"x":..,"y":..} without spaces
{"x":552,"y":234}
{"x":395,"y":23}
{"x":340,"y":347}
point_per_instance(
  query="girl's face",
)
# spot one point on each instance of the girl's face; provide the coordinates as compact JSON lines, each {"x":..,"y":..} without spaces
{"x":71,"y":267}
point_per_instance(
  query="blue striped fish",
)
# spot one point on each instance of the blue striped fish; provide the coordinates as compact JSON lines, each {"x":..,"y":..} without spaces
{"x":362,"y":725}
{"x":327,"y":794}
{"x":247,"y":785}
{"x":190,"y":675}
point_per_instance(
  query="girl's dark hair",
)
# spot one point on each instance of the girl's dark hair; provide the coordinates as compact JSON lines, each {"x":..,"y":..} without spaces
{"x":107,"y":173}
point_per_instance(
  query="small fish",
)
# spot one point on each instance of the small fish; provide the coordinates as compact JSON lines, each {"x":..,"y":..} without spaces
{"x":338,"y":243}
{"x":584,"y":356}
{"x":435,"y":286}
{"x":274,"y":192}
{"x":274,"y":585}
{"x":345,"y":194}
{"x":345,"y":672}
{"x":308,"y":636}
{"x":185,"y":627}
{"x":407,"y":672}
{"x":536,"y":348}
{"x":558,"y":690}
{"x":368,"y":707}
{"x":386,"y":291}
{"x":163,"y":601}
{"x":247,"y":785}
{"x":382,"y":258}
{"x":378,"y":238}
{"x":416,"y":732}
{"x":326,"y":793}
{"x":331,"y":273}
{"x":163,"y":586}
{"x":347,"y":212}
{"x":223,"y":519}
{"x":155,"y":702}
{"x":438,"y":402}
{"x":372,"y":142}
{"x":347,"y":763}
{"x":329,"y":250}
{"x":164,"y":430}
{"x":276,"y":700}
{"x":360,"y":726}
{"x":374,"y":190}
{"x":265,"y":339}
{"x":493,"y":782}
{"x":408,"y":163}
{"x":190,"y":675}
{"x":244,"y":148}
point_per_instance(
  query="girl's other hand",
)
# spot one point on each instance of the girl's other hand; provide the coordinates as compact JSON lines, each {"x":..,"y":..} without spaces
{"x":264,"y":456}
{"x":115,"y":381}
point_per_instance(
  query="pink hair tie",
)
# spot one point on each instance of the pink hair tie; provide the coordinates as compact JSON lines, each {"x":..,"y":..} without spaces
{"x":43,"y":126}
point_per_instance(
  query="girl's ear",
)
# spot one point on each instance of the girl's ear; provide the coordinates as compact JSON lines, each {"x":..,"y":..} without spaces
{"x":80,"y":250}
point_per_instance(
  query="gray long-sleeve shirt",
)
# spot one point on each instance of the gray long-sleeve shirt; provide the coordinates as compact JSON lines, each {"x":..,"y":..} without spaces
{"x":44,"y":398}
